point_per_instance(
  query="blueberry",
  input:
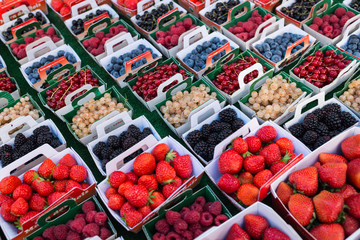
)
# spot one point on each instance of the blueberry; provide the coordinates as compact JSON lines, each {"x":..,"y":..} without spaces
{"x":259,"y":47}
{"x":35,"y":70}
{"x":203,"y":57}
{"x":148,"y":49}
{"x":57,"y":66}
{"x":113,"y":72}
{"x":34,"y":80}
{"x":113,"y":60}
{"x":109,"y":67}
{"x":285,"y":40}
{"x":72,"y":60}
{"x":268,"y":54}
{"x":52,"y":58}
{"x":286,"y":35}
{"x":224,"y":41}
{"x":193,"y":57}
{"x":187,"y":56}
{"x":213,"y":46}
{"x":155,"y":55}
{"x":349,"y":51}
{"x":274,"y":45}
{"x":197,"y":69}
{"x":116,"y":67}
{"x":135,"y":52}
{"x":189,"y":62}
{"x":61,"y":53}
{"x":206,"y":44}
{"x":352,"y":46}
{"x":215,"y":40}
{"x":278,"y":39}
{"x":354,"y":41}
{"x":141,"y":47}
{"x":277,"y":52}
{"x":28,"y":70}
{"x":42,"y":61}
{"x":276,"y":58}
{"x":194,"y":51}
{"x":119,"y":60}
{"x":143,"y":61}
{"x":200,"y":63}
{"x":266,"y":47}
{"x":127,"y":59}
{"x":358,"y":45}
{"x":116,"y":74}
{"x":208,"y":50}
{"x":269,"y":41}
{"x":356,"y":54}
{"x":36,"y":75}
{"x":199,"y":49}
{"x":37,"y":64}
{"x":127,"y":55}
{"x":122,"y":71}
{"x":48,"y":70}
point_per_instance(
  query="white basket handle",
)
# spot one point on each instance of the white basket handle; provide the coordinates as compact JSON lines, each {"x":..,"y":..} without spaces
{"x":271,"y":21}
{"x":76,"y":7}
{"x":161,"y":87}
{"x":346,"y":31}
{"x":110,"y":43}
{"x":213,"y":107}
{"x":272,"y":28}
{"x":6,"y":15}
{"x":201,"y":30}
{"x":4,"y":133}
{"x":242,"y":74}
{"x":320,"y":97}
{"x":39,"y":45}
{"x":347,"y":68}
{"x":100,"y":125}
{"x":141,"y":5}
{"x":207,"y":3}
{"x":86,"y":87}
{"x":348,"y":23}
{"x":117,"y":162}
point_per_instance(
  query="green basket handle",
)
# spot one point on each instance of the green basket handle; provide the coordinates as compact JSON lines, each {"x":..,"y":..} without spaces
{"x":231,"y":55}
{"x":246,"y":5}
{"x":252,"y":86}
{"x":162,"y":20}
{"x":7,"y":96}
{"x":51,"y":77}
{"x":19,"y":30}
{"x":98,"y":23}
{"x":74,"y":102}
{"x":186,"y":194}
{"x":67,"y":203}
{"x":316,"y":7}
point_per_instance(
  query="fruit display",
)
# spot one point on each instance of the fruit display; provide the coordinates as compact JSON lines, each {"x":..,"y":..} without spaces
{"x":355,"y":5}
{"x":61,"y":7}
{"x":322,"y":195}
{"x":323,"y":67}
{"x":204,"y":141}
{"x":353,"y":45}
{"x":8,"y":34}
{"x":219,"y":13}
{"x":351,"y":97}
{"x":177,"y":110}
{"x":6,"y":83}
{"x":300,"y":9}
{"x":129,"y":4}
{"x":322,"y":124}
{"x":331,"y":25}
{"x":77,"y":24}
{"x":274,"y":98}
{"x":251,"y":162}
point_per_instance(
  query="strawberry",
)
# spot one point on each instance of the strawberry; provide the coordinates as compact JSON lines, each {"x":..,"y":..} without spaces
{"x":228,"y":183}
{"x":331,"y":158}
{"x":29,"y":215}
{"x":23,"y":191}
{"x":123,"y":187}
{"x":165,"y":173}
{"x":254,"y":164}
{"x":44,"y":188}
{"x":302,"y":208}
{"x":262,"y":177}
{"x":272,"y":233}
{"x":332,"y":231}
{"x":305,"y":180}
{"x":333,"y":174}
{"x":353,"y":202}
{"x":328,"y":206}
{"x":116,"y":178}
{"x":353,"y":172}
{"x":236,"y":232}
{"x":53,"y":197}
{"x":144,"y":164}
{"x":149,"y":181}
{"x":183,"y":166}
{"x":37,"y":202}
{"x":46,"y":168}
{"x":276,"y":167}
{"x":110,"y":191}
{"x":350,"y":225}
{"x":8,"y":184}
{"x":60,"y":185}
{"x":160,"y":151}
{"x":284,"y":192}
{"x":130,"y":176}
{"x":171,"y":155}
{"x":68,"y":161}
{"x":350,"y":147}
{"x":285,"y":145}
{"x":254,"y":144}
{"x":271,"y":153}
{"x":168,"y":189}
{"x":57,"y":5}
{"x":78,"y":173}
{"x":246,"y":177}
{"x":126,"y":207}
{"x":248,"y":194}
{"x":137,"y":195}
{"x":116,"y":202}
{"x":132,"y":218}
{"x":84,"y":185}
{"x":61,"y":172}
{"x":30,"y":176}
{"x":19,"y":207}
{"x":131,"y":4}
{"x":70,"y":184}
{"x":4,"y":198}
{"x":156,"y":199}
{"x":240,"y":145}
{"x":346,"y":191}
{"x":145,"y":210}
{"x":230,"y":162}
{"x":266,"y":134}
{"x":5,"y":210}
{"x":65,"y":11}
{"x":255,"y":225}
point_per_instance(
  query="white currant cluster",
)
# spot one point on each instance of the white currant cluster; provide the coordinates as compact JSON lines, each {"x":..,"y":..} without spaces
{"x":351,"y":97}
{"x":274,"y":97}
{"x":178,"y":110}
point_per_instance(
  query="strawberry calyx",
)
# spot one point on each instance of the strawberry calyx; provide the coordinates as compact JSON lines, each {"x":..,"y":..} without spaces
{"x":171,"y":155}
{"x":151,"y":196}
{"x":308,"y":227}
{"x":18,"y":225}
{"x":341,"y":217}
{"x":247,"y":154}
{"x":168,"y":182}
{"x":286,"y":158}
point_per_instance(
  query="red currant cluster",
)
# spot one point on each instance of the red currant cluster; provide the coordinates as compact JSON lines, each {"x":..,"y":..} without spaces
{"x":56,"y":95}
{"x":227,"y":80}
{"x":6,"y":84}
{"x":146,"y":86}
{"x":322,"y":69}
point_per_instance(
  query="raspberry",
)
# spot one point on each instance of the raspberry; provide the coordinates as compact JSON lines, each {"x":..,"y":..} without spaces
{"x":328,"y":29}
{"x":207,"y":206}
{"x":172,"y":217}
{"x":187,"y":22}
{"x":77,"y":225}
{"x":238,"y":30}
{"x":168,"y":40}
{"x":252,"y":34}
{"x":220,"y":219}
{"x":91,"y":230}
{"x":49,"y":233}
{"x":206,"y":219}
{"x":100,"y":35}
{"x":105,"y":233}
{"x":162,"y":226}
{"x":159,"y":236}
{"x":194,"y":226}
{"x":258,"y":20}
{"x":249,"y":26}
{"x":343,"y":20}
{"x":187,"y":235}
{"x":192,"y":217}
{"x":339,"y":12}
{"x":255,"y":14}
{"x":336,"y":32}
{"x":314,"y":27}
{"x":336,"y":25}
{"x":80,"y":215}
{"x":243,"y":36}
{"x":160,"y":34}
{"x":329,"y":35}
{"x":90,"y":216}
{"x":50,"y":31}
{"x":174,"y":40}
{"x":73,"y":236}
{"x":350,"y":14}
{"x":113,"y":31}
{"x":197,"y":233}
{"x":173,"y":236}
{"x":161,"y":41}
{"x":100,"y":218}
{"x":38,"y":238}
{"x":178,"y":24}
{"x":240,"y":24}
{"x":183,"y":211}
{"x":180,"y":226}
{"x":215,"y":208}
{"x":178,"y":31}
{"x":21,"y":54}
{"x":326,"y":18}
{"x":55,"y":38}
{"x":94,"y":42}
{"x":60,"y":232}
{"x":334,"y":19}
{"x":196,"y":207}
{"x":318,"y":21}
{"x":267,"y":16}
{"x":28,"y":40}
{"x":40,"y":33}
{"x":14,"y":45}
{"x":200,"y":200}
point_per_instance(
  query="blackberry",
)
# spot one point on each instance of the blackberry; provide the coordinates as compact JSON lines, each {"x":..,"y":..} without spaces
{"x":147,"y":131}
{"x":205,"y":131}
{"x":320,"y":113}
{"x":310,"y":137}
{"x":40,"y":130}
{"x":237,"y":124}
{"x":116,"y":153}
{"x":322,"y":129}
{"x":98,"y":148}
{"x":347,"y":119}
{"x":310,"y":121}
{"x":333,"y":120}
{"x":193,"y":138}
{"x":297,"y":130}
{"x":132,"y":156}
{"x":6,"y":148}
{"x":321,"y":140}
{"x":55,"y":143}
{"x":113,"y":142}
{"x":134,"y":131}
{"x":332,"y":107}
{"x":129,"y":142}
{"x":103,"y":163}
{"x":211,"y":150}
{"x":214,"y":125}
{"x":142,"y":136}
{"x":224,"y":134}
{"x":225,"y":126}
{"x":20,"y":139}
{"x":124,"y":135}
{"x":6,"y":159}
{"x":17,"y":154}
{"x":202,"y":149}
{"x":334,"y":133}
{"x":227,"y":115}
{"x":44,"y":138}
{"x":106,"y":153}
{"x":213,"y":138}
{"x":26,"y":148}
